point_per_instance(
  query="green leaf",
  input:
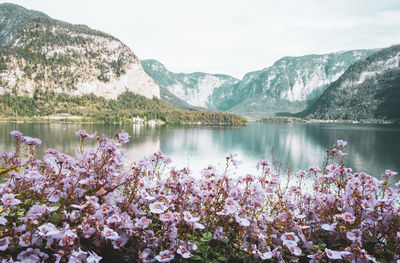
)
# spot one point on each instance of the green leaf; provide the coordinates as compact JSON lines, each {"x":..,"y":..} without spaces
{"x":221,"y":258}
{"x":54,"y":217}
{"x":207,"y":235}
{"x":196,"y":257}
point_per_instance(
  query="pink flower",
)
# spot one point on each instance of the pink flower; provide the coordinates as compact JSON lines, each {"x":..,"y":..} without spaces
{"x":157,"y":207}
{"x":332,"y":254}
{"x":341,"y":143}
{"x":9,"y":200}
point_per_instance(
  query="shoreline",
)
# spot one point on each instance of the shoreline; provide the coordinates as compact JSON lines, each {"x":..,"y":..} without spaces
{"x":273,"y":119}
{"x":300,"y":120}
{"x":75,"y":119}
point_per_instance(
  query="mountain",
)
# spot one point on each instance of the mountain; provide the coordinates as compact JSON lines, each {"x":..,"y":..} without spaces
{"x":369,"y":89}
{"x":50,"y":68}
{"x":194,"y":89}
{"x":11,"y":18}
{"x":288,"y":86}
{"x":49,"y":55}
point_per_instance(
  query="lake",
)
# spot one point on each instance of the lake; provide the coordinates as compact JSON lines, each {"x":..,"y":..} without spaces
{"x":371,"y":148}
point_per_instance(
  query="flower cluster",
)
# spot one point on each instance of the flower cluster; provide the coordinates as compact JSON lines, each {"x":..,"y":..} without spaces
{"x":92,"y":208}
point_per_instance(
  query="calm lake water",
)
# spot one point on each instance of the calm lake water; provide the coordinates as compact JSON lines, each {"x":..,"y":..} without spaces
{"x":371,"y":148}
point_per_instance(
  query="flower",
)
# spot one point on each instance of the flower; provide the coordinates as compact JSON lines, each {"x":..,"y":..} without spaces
{"x":143,"y":222}
{"x":243,"y":221}
{"x":47,"y":229}
{"x":157,"y":207}
{"x":329,"y":227}
{"x":265,"y":255}
{"x":108,"y":233}
{"x":25,"y":240}
{"x":105,"y":208}
{"x":16,"y":134}
{"x":147,"y":256}
{"x":114,"y":218}
{"x":123,"y":137}
{"x":77,"y":256}
{"x":332,"y":254}
{"x":233,"y":160}
{"x":348,"y":256}
{"x":290,"y":236}
{"x":93,"y":257}
{"x":9,"y":200}
{"x":67,"y":236}
{"x":196,"y":225}
{"x":388,"y":173}
{"x":348,"y":217}
{"x":219,"y":233}
{"x":341,"y":143}
{"x":354,"y":235}
{"x":187,"y":216}
{"x":165,"y":256}
{"x":4,"y":243}
{"x":270,"y":190}
{"x":88,"y":231}
{"x":81,"y":134}
{"x":31,"y":255}
{"x":167,"y":217}
{"x":93,"y":200}
{"x":315,"y":258}
{"x":35,"y":141}
{"x":301,"y":173}
{"x":184,"y":252}
{"x":293,"y":248}
{"x":3,"y":221}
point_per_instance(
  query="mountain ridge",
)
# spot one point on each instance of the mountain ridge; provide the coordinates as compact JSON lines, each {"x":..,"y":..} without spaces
{"x":290,"y":85}
{"x":48,"y":54}
{"x":369,"y":89}
{"x":200,"y":84}
{"x":13,"y":16}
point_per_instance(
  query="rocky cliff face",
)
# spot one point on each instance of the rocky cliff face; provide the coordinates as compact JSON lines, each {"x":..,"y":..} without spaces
{"x":290,"y":85}
{"x":195,"y":89}
{"x":50,"y":55}
{"x":369,"y":89}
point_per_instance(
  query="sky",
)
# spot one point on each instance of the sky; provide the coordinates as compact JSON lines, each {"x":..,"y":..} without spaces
{"x":232,"y":36}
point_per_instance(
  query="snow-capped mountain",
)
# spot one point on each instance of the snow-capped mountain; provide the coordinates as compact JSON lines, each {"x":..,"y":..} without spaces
{"x":49,"y":55}
{"x":289,"y":85}
{"x":369,"y":89}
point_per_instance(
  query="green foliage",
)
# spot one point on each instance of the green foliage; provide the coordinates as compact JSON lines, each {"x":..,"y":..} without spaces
{"x":126,"y":106}
{"x":375,"y":98}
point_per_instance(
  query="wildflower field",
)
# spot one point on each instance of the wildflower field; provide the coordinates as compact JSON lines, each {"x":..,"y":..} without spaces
{"x":99,"y":207}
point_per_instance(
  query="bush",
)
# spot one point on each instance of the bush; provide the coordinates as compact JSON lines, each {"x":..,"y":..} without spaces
{"x":92,"y":207}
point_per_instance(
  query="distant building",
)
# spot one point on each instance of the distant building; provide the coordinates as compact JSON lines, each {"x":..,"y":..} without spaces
{"x":137,"y":119}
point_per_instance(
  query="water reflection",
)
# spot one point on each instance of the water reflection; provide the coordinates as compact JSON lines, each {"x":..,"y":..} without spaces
{"x":372,"y":148}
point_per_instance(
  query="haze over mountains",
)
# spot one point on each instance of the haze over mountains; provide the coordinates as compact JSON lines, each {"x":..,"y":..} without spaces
{"x":289,"y":85}
{"x":40,"y":54}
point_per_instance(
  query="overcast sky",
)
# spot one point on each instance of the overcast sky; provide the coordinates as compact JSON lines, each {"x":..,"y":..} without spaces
{"x":232,"y":36}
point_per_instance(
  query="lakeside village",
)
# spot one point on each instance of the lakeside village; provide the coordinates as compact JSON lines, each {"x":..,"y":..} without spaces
{"x":138,"y":120}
